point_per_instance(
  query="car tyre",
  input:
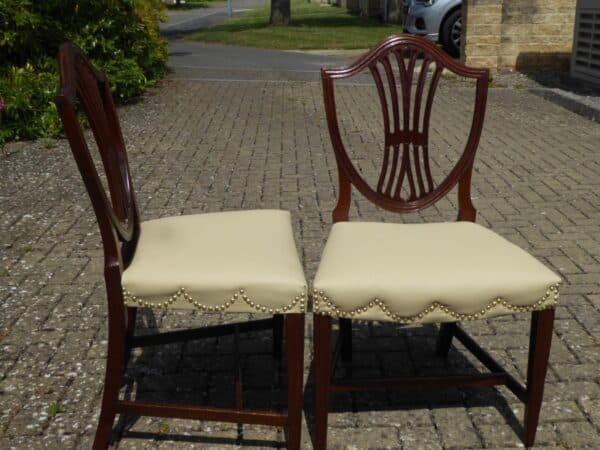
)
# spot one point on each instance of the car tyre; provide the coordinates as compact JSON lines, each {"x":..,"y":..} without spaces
{"x":451,"y":32}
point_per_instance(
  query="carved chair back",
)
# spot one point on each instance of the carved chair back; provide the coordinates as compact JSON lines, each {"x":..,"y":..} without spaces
{"x":83,"y":88}
{"x":405,"y":182}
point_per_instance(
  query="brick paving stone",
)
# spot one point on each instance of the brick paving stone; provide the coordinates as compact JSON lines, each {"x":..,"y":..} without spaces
{"x":420,"y":438}
{"x":48,"y":442}
{"x":368,"y":438}
{"x":576,"y":372}
{"x":455,"y":428}
{"x":500,"y":435}
{"x":265,"y":145}
{"x":592,"y":410}
{"x":578,"y":435}
{"x":396,"y":417}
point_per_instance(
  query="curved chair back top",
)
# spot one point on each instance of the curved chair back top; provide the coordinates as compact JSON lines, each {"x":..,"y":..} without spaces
{"x":81,"y":85}
{"x":405,"y":182}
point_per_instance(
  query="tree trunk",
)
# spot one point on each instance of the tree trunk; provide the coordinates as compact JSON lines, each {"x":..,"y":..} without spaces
{"x":280,"y":12}
{"x":396,"y":12}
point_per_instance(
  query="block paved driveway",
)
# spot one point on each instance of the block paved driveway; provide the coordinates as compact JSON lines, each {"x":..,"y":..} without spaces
{"x":200,"y":146}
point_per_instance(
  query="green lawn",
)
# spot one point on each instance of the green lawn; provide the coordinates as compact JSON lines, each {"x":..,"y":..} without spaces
{"x":312,"y":26}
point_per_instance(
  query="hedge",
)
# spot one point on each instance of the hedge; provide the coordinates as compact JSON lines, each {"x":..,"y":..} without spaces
{"x":121,"y":37}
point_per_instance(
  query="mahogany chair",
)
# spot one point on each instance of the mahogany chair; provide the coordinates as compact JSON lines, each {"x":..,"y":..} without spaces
{"x":244,"y":261}
{"x":421,"y":273}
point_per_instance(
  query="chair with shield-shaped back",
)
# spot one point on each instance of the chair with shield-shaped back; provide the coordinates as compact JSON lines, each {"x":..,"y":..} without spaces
{"x":420,"y":273}
{"x":223,"y":262}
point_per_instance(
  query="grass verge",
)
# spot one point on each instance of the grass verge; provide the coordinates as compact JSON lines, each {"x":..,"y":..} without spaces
{"x":193,"y":4}
{"x":312,"y":27}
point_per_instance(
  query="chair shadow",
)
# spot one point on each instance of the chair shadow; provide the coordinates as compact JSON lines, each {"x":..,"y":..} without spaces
{"x":201,"y":373}
{"x":405,"y":352}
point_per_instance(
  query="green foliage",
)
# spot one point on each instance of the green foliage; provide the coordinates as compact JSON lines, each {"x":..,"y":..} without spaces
{"x":29,"y":109}
{"x":126,"y":76}
{"x":16,"y":33}
{"x":54,"y":408}
{"x":121,"y":37}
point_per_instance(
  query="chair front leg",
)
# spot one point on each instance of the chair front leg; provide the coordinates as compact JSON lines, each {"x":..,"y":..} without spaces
{"x":322,"y":374}
{"x":295,"y":355}
{"x":540,"y":339}
{"x":112,"y":384}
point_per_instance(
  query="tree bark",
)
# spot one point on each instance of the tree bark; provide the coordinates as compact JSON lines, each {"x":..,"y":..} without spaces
{"x":396,"y":12}
{"x":280,"y":12}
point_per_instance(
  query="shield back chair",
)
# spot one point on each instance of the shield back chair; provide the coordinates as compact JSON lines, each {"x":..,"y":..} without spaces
{"x":420,"y":273}
{"x":244,"y":261}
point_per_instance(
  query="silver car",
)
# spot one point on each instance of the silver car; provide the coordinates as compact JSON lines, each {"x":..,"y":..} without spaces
{"x":439,"y":20}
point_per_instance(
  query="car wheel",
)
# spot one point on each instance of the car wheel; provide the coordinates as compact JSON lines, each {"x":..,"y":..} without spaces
{"x":451,"y":33}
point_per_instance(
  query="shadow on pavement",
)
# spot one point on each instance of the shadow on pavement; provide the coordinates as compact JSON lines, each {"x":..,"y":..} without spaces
{"x":201,"y":372}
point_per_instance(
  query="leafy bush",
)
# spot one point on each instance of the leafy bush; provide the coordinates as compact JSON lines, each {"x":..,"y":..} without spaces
{"x":29,"y":110}
{"x":121,"y":37}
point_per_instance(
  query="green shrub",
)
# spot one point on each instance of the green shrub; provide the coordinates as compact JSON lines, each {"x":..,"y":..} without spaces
{"x":29,"y":110}
{"x":121,"y":37}
{"x":126,"y":77}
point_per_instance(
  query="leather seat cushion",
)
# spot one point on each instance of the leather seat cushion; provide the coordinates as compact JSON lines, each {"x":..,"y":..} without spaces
{"x":241,"y":261}
{"x":420,"y":273}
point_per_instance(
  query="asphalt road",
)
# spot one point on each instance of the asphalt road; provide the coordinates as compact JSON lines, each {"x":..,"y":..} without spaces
{"x":199,"y":61}
{"x":190,"y":60}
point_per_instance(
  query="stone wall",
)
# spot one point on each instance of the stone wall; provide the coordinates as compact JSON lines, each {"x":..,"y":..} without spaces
{"x":518,"y":34}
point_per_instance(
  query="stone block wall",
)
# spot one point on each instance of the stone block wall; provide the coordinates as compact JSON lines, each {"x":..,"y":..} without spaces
{"x":518,"y":34}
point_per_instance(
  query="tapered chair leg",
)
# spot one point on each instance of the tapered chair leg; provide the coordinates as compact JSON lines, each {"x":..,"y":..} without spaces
{"x":295,"y":355}
{"x":346,"y":337}
{"x":542,"y":323}
{"x":277,"y":335}
{"x":322,"y":374}
{"x":444,"y":340}
{"x":110,"y":396}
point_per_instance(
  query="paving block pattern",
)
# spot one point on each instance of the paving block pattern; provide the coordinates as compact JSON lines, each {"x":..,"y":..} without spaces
{"x":211,"y":146}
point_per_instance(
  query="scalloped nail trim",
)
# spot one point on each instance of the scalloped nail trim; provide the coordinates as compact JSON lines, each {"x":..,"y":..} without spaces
{"x":325,"y":306}
{"x":237,"y":296}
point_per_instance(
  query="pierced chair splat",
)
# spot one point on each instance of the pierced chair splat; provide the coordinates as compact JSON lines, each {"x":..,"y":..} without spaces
{"x":204,"y":262}
{"x":421,"y":273}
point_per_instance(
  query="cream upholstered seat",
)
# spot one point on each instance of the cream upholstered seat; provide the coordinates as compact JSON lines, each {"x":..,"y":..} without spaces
{"x":242,"y":261}
{"x":422,"y":273}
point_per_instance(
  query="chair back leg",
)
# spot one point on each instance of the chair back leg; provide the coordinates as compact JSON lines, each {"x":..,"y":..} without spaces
{"x":322,"y":374}
{"x":277,"y":335}
{"x":540,"y":339}
{"x":346,"y":337}
{"x":445,"y":339}
{"x":131,"y":318}
{"x":295,"y":358}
